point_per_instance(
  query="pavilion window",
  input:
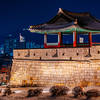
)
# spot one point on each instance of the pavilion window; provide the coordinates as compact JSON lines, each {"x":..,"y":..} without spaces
{"x":67,"y":39}
{"x":82,"y":40}
{"x":52,"y":40}
{"x":95,"y":39}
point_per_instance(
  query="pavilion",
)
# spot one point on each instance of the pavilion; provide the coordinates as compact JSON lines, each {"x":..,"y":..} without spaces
{"x":66,"y":22}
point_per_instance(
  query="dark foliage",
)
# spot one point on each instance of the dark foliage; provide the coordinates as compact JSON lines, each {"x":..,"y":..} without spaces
{"x":58,"y":90}
{"x":77,"y":91}
{"x":92,"y":93}
{"x":7,"y":92}
{"x":34,"y":92}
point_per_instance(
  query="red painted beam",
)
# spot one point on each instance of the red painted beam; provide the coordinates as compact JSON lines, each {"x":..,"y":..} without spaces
{"x":74,"y":39}
{"x":90,"y":39}
{"x":60,"y":39}
{"x":45,"y":40}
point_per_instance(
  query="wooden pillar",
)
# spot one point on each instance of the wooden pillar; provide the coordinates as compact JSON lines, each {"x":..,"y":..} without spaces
{"x":74,"y":39}
{"x":90,"y":39}
{"x":45,"y":40}
{"x":59,"y":39}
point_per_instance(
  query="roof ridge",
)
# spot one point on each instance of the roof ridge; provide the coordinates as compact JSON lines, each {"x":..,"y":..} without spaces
{"x":76,"y":13}
{"x":80,"y":14}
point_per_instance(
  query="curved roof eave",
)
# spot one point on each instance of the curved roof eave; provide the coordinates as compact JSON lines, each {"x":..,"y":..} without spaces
{"x":69,"y":29}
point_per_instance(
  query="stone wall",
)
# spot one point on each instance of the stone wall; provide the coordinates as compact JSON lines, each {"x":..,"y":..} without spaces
{"x":61,"y":66}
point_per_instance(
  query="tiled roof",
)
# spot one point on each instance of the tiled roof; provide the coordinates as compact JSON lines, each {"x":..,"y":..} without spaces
{"x":65,"y":18}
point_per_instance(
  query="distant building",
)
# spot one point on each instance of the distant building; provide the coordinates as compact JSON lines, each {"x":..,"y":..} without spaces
{"x":1,"y":49}
{"x":10,"y":43}
{"x":4,"y":75}
{"x":20,"y":42}
{"x":30,"y":45}
{"x":5,"y":66}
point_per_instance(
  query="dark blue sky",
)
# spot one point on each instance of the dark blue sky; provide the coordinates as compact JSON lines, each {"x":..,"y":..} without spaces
{"x":18,"y":14}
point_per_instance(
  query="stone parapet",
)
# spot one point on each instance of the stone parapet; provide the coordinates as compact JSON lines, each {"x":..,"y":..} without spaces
{"x":58,"y":53}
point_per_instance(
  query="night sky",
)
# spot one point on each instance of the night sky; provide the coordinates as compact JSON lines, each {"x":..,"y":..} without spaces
{"x":15,"y":15}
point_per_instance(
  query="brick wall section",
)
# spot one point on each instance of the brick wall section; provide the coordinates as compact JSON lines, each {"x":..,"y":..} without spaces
{"x":56,"y":68}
